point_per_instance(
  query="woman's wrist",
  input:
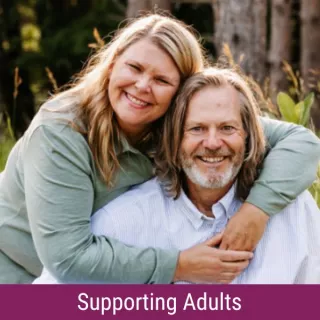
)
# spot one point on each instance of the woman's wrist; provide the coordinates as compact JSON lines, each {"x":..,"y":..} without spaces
{"x":178,"y":275}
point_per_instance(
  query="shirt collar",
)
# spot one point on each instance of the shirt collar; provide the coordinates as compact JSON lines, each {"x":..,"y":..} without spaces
{"x":122,"y":145}
{"x":227,"y":201}
{"x":225,"y":208}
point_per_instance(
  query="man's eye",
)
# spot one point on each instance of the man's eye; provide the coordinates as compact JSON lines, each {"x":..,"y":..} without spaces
{"x":228,"y":128}
{"x":196,"y":129}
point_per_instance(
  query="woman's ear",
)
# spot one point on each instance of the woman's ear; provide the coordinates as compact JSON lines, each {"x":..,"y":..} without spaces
{"x":110,"y":70}
{"x":111,"y":66}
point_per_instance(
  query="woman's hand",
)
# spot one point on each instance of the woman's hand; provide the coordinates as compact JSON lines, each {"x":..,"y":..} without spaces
{"x":245,"y":229}
{"x":205,"y":264}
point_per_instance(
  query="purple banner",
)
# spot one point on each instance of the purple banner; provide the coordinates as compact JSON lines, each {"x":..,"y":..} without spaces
{"x":159,"y":302}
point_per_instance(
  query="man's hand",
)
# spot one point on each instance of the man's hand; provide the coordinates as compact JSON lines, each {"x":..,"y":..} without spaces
{"x":204,"y":264}
{"x":245,"y":229}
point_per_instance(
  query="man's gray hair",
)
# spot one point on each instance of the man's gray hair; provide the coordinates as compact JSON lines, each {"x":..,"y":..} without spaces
{"x":167,"y":160}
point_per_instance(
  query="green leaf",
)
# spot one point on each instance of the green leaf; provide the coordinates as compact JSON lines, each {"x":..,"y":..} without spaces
{"x":305,"y":115}
{"x":287,"y":107}
{"x":299,"y":109}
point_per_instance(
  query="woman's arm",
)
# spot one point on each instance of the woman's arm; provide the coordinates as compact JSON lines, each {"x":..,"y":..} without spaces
{"x":59,"y":197}
{"x":288,"y":169}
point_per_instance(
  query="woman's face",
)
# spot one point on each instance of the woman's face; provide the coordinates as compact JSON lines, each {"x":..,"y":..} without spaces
{"x":143,"y":81}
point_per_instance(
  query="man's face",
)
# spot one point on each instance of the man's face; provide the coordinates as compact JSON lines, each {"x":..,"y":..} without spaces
{"x":213,"y":145}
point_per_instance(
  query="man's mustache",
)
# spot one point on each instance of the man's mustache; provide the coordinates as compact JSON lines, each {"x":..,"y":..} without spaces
{"x":214,"y":153}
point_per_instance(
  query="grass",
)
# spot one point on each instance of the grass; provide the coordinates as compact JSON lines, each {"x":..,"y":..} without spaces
{"x":7,"y":141}
{"x":5,"y":147}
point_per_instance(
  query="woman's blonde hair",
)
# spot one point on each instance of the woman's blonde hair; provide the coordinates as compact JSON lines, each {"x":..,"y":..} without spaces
{"x":167,"y":160}
{"x":90,"y":89}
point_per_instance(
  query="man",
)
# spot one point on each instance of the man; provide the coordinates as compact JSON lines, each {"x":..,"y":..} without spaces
{"x":211,"y":150}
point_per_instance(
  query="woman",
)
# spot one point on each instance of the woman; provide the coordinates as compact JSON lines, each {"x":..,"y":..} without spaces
{"x":91,"y":143}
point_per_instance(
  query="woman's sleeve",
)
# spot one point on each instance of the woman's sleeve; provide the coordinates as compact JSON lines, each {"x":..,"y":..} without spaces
{"x":59,"y":198}
{"x":289,"y":167}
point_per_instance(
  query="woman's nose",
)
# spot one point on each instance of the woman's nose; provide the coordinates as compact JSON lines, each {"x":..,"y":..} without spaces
{"x":143,"y":84}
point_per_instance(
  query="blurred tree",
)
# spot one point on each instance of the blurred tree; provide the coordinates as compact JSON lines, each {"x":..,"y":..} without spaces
{"x":36,"y":34}
{"x":43,"y":36}
{"x":310,"y":53}
{"x":310,"y":36}
{"x":198,"y":14}
{"x":21,"y":109}
{"x":67,"y":29}
{"x":281,"y":41}
{"x":3,"y":70}
{"x":242,"y":25}
{"x":137,"y":6}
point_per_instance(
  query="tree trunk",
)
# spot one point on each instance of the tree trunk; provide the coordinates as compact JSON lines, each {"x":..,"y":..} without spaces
{"x":310,"y":54}
{"x":310,"y":36}
{"x":242,"y":25}
{"x":135,"y":7}
{"x":280,"y":48}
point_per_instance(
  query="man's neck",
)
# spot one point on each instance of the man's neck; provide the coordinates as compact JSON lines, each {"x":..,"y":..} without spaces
{"x":204,"y":198}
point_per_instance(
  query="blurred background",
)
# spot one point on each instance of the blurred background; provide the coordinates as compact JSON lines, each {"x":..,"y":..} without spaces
{"x":275,"y":42}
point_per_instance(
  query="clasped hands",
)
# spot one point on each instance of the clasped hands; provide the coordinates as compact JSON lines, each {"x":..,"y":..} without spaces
{"x":222,"y":258}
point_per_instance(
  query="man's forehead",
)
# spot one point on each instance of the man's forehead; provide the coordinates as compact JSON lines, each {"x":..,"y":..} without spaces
{"x":215,"y":103}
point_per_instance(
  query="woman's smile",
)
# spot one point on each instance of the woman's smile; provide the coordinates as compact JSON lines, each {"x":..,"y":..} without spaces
{"x":136,"y":102}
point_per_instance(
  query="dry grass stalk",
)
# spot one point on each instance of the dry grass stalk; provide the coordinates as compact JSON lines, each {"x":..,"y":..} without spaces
{"x":99,"y":41}
{"x":52,"y":79}
{"x":17,"y":82}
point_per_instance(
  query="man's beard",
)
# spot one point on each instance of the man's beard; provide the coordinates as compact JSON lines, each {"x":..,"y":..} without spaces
{"x":212,"y":179}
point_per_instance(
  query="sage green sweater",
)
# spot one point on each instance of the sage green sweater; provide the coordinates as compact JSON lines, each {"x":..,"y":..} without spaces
{"x":50,"y":188}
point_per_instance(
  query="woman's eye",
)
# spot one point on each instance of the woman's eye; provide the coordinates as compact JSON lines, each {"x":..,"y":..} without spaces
{"x":133,"y":66}
{"x":162,"y":81}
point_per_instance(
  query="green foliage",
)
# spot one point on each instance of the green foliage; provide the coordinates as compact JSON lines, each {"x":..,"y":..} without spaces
{"x":7,"y":141}
{"x":315,"y":188}
{"x":299,"y":113}
{"x":5,"y":148}
{"x":48,"y":42}
{"x":36,"y":34}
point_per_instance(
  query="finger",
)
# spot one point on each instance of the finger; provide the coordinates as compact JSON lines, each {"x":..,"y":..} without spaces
{"x":225,"y":281}
{"x":224,"y":242}
{"x":234,"y":267}
{"x":224,"y":245}
{"x":229,"y":275}
{"x":214,"y":241}
{"x":231,"y":255}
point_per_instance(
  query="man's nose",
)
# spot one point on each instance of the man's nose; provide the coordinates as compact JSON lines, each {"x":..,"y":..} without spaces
{"x":212,"y":140}
{"x":143,"y":83}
